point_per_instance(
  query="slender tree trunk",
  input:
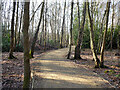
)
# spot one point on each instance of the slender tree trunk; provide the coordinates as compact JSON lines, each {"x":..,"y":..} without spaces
{"x":42,"y":33}
{"x":58,"y":29}
{"x":27,"y":72}
{"x":71,"y":23}
{"x":100,"y":37}
{"x":61,"y":40}
{"x":45,"y":27}
{"x":80,"y":29}
{"x":33,"y":17}
{"x":12,"y":34}
{"x":112,"y":26}
{"x":16,"y":26}
{"x":51,"y":28}
{"x":36,"y":33}
{"x":55,"y":25}
{"x":119,"y":26}
{"x":92,"y":39}
{"x":104,"y":37}
{"x":20,"y":26}
{"x":8,"y":18}
{"x":118,"y":44}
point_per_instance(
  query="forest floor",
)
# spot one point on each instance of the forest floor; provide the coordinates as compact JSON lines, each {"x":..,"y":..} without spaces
{"x":46,"y":66}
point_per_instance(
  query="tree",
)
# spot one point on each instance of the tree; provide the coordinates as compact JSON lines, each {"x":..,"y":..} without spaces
{"x":63,"y":26}
{"x":36,"y":33}
{"x":21,"y":17}
{"x":80,"y":29}
{"x":104,"y":36}
{"x":42,"y":33}
{"x":26,"y":82}
{"x":100,"y":37}
{"x":59,"y":21}
{"x":45,"y":27}
{"x":70,"y":37}
{"x":33,"y":17}
{"x":12,"y":33}
{"x":16,"y":25}
{"x":92,"y":42}
{"x":112,"y":26}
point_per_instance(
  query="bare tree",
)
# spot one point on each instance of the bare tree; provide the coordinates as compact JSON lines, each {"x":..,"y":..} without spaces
{"x":100,"y":37}
{"x":63,"y":23}
{"x":104,"y":37}
{"x":27,"y":72}
{"x":21,"y":17}
{"x":112,"y":25}
{"x":12,"y":33}
{"x":71,"y":23}
{"x":45,"y":27}
{"x":80,"y":29}
{"x":36,"y":33}
{"x":92,"y":42}
{"x":16,"y":25}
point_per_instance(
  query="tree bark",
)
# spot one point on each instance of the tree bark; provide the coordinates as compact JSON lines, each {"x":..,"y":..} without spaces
{"x":61,"y":40}
{"x":36,"y":33}
{"x":92,"y":39}
{"x":71,"y":23}
{"x":12,"y":34}
{"x":26,"y":82}
{"x":16,"y":26}
{"x":45,"y":28}
{"x":33,"y":17}
{"x":112,"y":26}
{"x":104,"y":37}
{"x":58,"y":29}
{"x":100,"y":37}
{"x":20,"y":26}
{"x":80,"y":29}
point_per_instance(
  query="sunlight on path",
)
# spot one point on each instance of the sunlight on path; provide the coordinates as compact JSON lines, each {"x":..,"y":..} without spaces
{"x":52,"y":70}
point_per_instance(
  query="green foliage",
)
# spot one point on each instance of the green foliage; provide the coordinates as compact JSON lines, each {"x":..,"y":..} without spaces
{"x":19,"y":48}
{"x":75,"y":34}
{"x":6,"y":42}
{"x":86,"y":36}
{"x":51,"y":42}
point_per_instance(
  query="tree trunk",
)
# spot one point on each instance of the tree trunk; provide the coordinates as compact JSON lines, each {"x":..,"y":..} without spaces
{"x":118,"y":34}
{"x":16,"y":25}
{"x":58,"y":22}
{"x":80,"y":29}
{"x":32,"y":18}
{"x":112,"y":26}
{"x":42,"y":33}
{"x":51,"y":29}
{"x":104,"y":37}
{"x":26,"y":82}
{"x":36,"y":33}
{"x":45,"y":27}
{"x":71,"y":23}
{"x":92,"y":39}
{"x":100,"y":37}
{"x":20,"y":26}
{"x":62,"y":26}
{"x":12,"y":34}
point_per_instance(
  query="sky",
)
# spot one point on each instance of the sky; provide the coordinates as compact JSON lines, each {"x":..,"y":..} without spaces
{"x":37,"y":2}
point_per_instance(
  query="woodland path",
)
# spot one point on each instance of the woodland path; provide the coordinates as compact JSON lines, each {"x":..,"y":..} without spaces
{"x":52,"y":70}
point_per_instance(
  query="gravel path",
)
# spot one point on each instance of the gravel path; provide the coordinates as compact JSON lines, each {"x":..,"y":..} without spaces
{"x":53,"y":70}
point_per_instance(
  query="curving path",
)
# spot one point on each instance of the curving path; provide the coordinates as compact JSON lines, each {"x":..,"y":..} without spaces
{"x":53,"y":70}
